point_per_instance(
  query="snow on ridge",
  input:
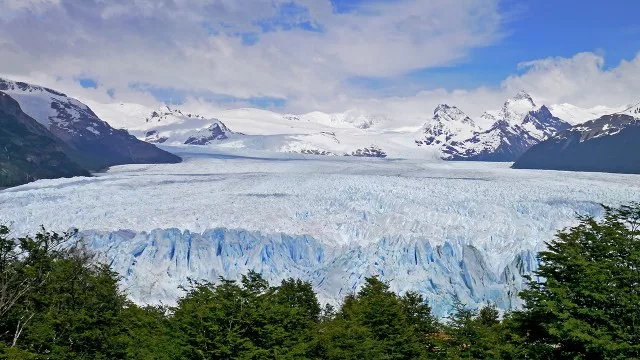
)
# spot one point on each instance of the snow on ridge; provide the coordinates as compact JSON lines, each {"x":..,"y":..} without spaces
{"x":449,"y":131}
{"x":36,"y":101}
{"x":576,"y":115}
{"x":632,"y":110}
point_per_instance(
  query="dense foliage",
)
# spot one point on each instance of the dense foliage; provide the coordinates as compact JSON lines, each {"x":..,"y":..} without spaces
{"x":583,"y":303}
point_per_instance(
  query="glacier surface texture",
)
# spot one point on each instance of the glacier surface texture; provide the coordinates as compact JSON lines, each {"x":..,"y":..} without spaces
{"x":469,"y":229}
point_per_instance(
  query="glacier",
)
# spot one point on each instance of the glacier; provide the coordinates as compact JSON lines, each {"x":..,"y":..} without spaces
{"x":469,"y":229}
{"x":155,"y":265}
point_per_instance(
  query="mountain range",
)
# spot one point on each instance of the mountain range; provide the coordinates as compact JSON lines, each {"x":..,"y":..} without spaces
{"x":497,"y":135}
{"x":450,"y":134}
{"x":502,"y":135}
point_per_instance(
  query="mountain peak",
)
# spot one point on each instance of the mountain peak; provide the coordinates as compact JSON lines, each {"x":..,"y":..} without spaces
{"x":443,"y":107}
{"x":446,"y":113}
{"x":516,"y":108}
{"x":522,"y":97}
{"x":632,"y":110}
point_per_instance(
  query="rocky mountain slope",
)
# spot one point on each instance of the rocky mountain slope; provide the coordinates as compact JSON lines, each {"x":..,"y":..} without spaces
{"x":78,"y":126}
{"x":517,"y":126}
{"x":448,"y":124}
{"x":508,"y":138}
{"x":607,"y":144}
{"x":172,"y":126}
{"x":28,"y":150}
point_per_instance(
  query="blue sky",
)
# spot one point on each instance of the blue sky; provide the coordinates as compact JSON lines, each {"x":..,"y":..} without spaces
{"x":533,"y":30}
{"x":330,"y":55}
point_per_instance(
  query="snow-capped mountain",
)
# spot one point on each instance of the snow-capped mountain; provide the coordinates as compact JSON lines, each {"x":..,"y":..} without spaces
{"x":215,"y":131}
{"x":497,"y":135}
{"x":541,"y":124}
{"x":607,"y":144}
{"x":517,"y":126}
{"x":502,"y":142}
{"x":448,"y":124}
{"x":79,"y":127}
{"x":172,"y":126}
{"x":352,"y":118}
{"x":169,"y":115}
{"x":515,"y":109}
{"x":29,"y":151}
{"x":316,"y":133}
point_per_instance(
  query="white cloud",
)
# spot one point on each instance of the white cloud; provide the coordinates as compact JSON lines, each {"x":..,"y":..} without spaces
{"x":167,"y":44}
{"x":581,"y":80}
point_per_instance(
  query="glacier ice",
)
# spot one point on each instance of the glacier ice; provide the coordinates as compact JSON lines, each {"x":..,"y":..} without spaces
{"x":441,"y":228}
{"x":156,"y":264}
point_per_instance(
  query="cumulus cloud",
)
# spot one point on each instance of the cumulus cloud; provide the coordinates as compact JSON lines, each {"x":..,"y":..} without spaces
{"x":304,"y":48}
{"x":582,"y":80}
{"x":302,"y":51}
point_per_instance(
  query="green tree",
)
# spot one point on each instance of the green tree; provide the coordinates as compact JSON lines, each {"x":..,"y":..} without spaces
{"x":148,"y":334}
{"x":61,"y":305}
{"x":584,"y":302}
{"x":346,"y":337}
{"x":249,"y":320}
{"x":381,"y":324}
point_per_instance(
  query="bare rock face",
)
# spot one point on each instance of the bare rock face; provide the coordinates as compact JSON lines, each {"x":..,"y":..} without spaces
{"x":215,"y":131}
{"x":371,"y":151}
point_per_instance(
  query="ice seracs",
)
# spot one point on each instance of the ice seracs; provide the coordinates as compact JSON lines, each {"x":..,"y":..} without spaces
{"x":156,"y":264}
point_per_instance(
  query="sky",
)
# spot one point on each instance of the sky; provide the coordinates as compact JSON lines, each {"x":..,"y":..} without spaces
{"x":398,"y":58}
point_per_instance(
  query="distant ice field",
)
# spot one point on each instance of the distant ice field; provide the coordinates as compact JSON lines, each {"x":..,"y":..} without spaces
{"x":339,"y":201}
